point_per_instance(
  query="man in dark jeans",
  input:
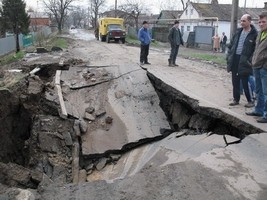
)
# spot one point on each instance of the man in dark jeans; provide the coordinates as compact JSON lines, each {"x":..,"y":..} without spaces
{"x":239,"y":58}
{"x":175,"y":39}
{"x":145,"y":39}
{"x":259,"y":62}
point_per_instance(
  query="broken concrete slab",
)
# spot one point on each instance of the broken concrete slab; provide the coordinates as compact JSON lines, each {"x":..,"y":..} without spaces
{"x":16,"y":193}
{"x":101,"y":164}
{"x":83,"y":126}
{"x":67,"y":138}
{"x":36,"y":85}
{"x":76,"y":128}
{"x":82,"y":176}
{"x":89,"y":116}
{"x":135,"y":119}
{"x":15,"y":175}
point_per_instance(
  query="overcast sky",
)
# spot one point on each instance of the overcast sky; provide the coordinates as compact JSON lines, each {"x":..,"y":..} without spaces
{"x":154,"y":5}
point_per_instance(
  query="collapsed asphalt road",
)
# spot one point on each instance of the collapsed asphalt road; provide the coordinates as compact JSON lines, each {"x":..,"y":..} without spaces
{"x":108,"y":145}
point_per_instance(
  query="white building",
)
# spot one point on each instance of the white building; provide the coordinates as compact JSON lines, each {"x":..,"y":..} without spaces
{"x":214,"y":14}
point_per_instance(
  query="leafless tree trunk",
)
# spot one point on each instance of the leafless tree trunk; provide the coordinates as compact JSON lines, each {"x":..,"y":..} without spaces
{"x":59,"y":9}
{"x":171,"y":4}
{"x":77,"y":15}
{"x":95,"y":6}
{"x":133,"y":8}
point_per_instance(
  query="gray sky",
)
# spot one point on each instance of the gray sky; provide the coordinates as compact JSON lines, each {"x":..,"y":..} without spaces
{"x":154,"y":5}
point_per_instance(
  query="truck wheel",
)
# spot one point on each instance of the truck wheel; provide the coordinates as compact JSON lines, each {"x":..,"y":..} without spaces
{"x":108,"y":40}
{"x":101,"y":38}
{"x":123,"y":40}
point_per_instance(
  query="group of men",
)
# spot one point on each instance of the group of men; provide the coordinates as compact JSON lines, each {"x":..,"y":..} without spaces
{"x":174,"y":37}
{"x":247,"y":55}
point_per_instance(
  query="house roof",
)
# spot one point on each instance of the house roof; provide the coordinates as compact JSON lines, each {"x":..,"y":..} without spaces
{"x":253,"y":12}
{"x":111,"y":13}
{"x":40,"y":22}
{"x":223,"y":11}
{"x":170,"y":14}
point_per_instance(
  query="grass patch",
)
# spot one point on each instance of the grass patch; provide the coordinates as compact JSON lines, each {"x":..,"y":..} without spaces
{"x":216,"y":58}
{"x":59,"y":42}
{"x":134,"y":41}
{"x":11,"y":58}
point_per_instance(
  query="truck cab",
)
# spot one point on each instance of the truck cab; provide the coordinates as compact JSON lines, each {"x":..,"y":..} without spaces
{"x":111,"y":29}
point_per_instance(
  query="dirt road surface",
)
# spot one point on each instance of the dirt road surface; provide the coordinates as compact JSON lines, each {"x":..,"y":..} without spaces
{"x":188,"y":167}
{"x":166,"y":141}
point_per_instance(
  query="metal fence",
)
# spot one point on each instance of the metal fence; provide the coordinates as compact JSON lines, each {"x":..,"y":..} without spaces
{"x":8,"y":44}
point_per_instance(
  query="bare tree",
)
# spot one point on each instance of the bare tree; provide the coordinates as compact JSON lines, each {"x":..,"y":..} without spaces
{"x":171,"y":4}
{"x":78,"y":15}
{"x":95,"y":8}
{"x":59,"y":9}
{"x":134,"y":9}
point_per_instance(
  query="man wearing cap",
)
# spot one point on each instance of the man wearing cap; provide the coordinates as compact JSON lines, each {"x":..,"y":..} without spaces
{"x":145,"y":39}
{"x":175,"y":39}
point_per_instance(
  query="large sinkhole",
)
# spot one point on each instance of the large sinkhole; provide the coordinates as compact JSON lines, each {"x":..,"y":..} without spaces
{"x":184,"y":112}
{"x":44,"y":147}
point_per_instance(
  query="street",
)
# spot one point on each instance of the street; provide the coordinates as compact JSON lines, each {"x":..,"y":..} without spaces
{"x":150,"y":132}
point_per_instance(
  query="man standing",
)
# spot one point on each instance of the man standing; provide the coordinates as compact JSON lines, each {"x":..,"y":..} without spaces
{"x":145,"y":39}
{"x":239,"y":58}
{"x":175,"y":39}
{"x":259,"y":63}
{"x":223,"y":42}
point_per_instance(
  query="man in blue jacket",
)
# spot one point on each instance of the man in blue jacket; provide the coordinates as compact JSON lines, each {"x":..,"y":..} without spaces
{"x":145,"y":39}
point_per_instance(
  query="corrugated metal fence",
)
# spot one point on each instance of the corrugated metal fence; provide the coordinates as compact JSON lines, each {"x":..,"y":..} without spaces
{"x":8,"y":44}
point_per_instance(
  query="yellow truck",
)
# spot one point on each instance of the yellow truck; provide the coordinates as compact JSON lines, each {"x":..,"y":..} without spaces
{"x":111,"y":29}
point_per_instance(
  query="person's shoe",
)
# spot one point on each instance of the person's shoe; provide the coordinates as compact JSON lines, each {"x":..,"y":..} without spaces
{"x":249,"y":105}
{"x":147,"y":63}
{"x":169,"y":62}
{"x":142,"y":63}
{"x":175,"y":64}
{"x":234,"y":103}
{"x":253,"y":113}
{"x":262,"y":120}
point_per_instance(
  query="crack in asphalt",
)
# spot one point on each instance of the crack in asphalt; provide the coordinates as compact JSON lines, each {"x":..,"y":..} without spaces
{"x":101,"y":82}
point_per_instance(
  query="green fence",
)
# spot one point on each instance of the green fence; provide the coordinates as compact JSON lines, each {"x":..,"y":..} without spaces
{"x":27,"y":40}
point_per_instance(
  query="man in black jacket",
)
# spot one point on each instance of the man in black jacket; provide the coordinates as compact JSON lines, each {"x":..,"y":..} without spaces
{"x":223,"y":42}
{"x":175,"y":39}
{"x":239,"y":58}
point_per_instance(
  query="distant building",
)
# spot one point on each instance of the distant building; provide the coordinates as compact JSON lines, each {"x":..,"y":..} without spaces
{"x":214,"y":14}
{"x":38,"y":21}
{"x":167,"y":17}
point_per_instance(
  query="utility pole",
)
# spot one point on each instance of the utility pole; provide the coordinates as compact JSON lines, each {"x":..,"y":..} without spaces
{"x":234,"y":16}
{"x":115,"y":8}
